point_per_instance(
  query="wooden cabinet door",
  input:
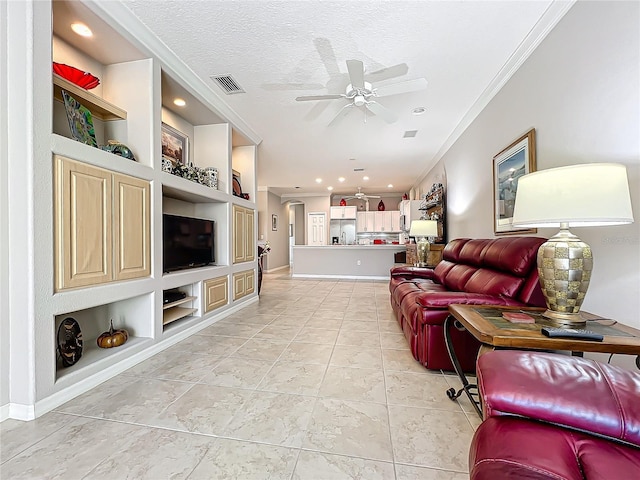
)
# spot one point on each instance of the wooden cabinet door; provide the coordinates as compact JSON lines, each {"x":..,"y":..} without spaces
{"x":132,"y":245}
{"x":249,"y":283}
{"x":215,"y":293}
{"x":83,"y":216}
{"x":250,"y":236}
{"x":239,"y":242}
{"x":239,"y":285}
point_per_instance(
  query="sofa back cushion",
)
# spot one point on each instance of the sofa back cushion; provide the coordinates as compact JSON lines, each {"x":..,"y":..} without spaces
{"x":458,"y":276}
{"x":451,"y":251}
{"x":491,"y":282}
{"x":472,"y":252}
{"x":516,"y":255}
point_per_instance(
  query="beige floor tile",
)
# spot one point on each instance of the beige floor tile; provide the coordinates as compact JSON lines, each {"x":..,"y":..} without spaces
{"x":98,"y":396}
{"x":427,"y":391}
{"x":389,"y":326}
{"x":260,"y":349}
{"x":318,"y":354}
{"x":275,"y":418}
{"x":430,"y":438}
{"x":16,"y":435}
{"x":401,"y":361}
{"x":359,"y":384}
{"x":336,"y":313}
{"x":72,"y":451}
{"x":173,"y":455}
{"x":359,"y":339}
{"x":203,"y":409}
{"x":238,"y":372}
{"x":352,"y":356}
{"x":287,"y":377}
{"x":243,"y":330}
{"x":359,"y":326}
{"x":350,"y":428}
{"x":394,"y":341}
{"x":282,"y":333}
{"x":237,"y":460}
{"x":324,"y":323}
{"x":188,"y":368}
{"x":317,"y":335}
{"x":463,"y":400}
{"x":216,"y":345}
{"x":317,"y":465}
{"x":408,"y":472}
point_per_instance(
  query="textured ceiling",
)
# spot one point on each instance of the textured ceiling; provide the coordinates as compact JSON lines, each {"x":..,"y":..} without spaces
{"x":277,"y":51}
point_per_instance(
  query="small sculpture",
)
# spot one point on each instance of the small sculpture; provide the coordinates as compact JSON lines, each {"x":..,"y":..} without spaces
{"x":118,"y":148}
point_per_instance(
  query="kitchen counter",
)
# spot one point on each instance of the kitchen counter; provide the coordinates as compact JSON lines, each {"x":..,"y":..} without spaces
{"x":345,"y":261}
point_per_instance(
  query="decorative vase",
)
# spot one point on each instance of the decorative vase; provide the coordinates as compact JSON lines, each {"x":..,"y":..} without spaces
{"x":211,"y":177}
{"x":381,"y":206}
{"x":405,"y":196}
{"x":167,"y":166}
{"x":343,"y":202}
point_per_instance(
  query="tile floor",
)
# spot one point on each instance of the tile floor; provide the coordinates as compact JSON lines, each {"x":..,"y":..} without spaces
{"x":315,"y":381}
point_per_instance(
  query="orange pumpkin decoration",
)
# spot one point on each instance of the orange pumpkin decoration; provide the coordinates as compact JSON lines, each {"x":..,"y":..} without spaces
{"x":112,"y":338}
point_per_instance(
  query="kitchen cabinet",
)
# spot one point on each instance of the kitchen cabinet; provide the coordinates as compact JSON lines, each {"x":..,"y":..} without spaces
{"x":378,"y":222}
{"x":365,"y":222}
{"x":340,"y":213}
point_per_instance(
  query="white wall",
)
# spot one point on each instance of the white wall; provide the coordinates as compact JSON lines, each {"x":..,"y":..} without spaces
{"x":4,"y":232}
{"x":278,"y":239}
{"x":580,"y":91}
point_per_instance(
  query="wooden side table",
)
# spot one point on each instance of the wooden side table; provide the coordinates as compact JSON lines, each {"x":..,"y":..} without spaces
{"x":486,"y":323}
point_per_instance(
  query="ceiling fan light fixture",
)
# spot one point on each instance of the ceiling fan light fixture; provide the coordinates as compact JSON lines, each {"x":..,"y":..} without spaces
{"x":359,"y":100}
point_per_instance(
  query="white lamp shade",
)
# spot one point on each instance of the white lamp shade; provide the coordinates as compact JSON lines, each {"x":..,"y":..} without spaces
{"x":424,"y":228}
{"x":579,"y":195}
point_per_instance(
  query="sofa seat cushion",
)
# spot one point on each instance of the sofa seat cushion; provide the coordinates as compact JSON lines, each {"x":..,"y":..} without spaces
{"x":523,"y":449}
{"x":569,"y":391}
{"x":442,"y":300}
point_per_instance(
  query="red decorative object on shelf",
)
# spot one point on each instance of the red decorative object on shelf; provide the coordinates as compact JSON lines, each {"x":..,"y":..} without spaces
{"x":381,"y":206}
{"x":343,"y":202}
{"x":75,"y":75}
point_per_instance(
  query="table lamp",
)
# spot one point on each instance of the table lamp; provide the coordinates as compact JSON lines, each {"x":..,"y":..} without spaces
{"x":421,"y":229}
{"x":574,"y":196}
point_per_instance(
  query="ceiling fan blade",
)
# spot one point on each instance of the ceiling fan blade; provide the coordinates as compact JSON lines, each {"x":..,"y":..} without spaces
{"x":292,"y":86}
{"x":383,"y":112}
{"x":306,"y":98}
{"x":343,"y":112}
{"x":356,"y":73}
{"x":387,"y":73}
{"x":373,"y":196}
{"x":327,"y":56}
{"x":401,"y":87}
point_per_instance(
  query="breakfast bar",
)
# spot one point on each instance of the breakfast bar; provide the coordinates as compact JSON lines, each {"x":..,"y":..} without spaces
{"x":345,"y":261}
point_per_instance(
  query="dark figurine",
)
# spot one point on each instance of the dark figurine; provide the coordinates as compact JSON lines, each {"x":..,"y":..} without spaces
{"x":119,"y":149}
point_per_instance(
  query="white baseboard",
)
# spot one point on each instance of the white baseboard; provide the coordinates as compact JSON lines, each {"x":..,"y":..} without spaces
{"x":19,"y":411}
{"x":343,"y":277}
{"x":271,"y":270}
{"x":4,"y":412}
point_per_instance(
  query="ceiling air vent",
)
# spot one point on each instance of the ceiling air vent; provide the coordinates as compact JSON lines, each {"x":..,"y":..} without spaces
{"x":228,"y":84}
{"x":358,"y":169}
{"x":410,"y":134}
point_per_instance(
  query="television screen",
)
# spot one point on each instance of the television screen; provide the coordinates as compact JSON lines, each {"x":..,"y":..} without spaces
{"x":187,"y":242}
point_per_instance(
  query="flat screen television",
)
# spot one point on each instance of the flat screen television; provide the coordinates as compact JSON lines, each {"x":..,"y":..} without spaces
{"x":186,"y":242}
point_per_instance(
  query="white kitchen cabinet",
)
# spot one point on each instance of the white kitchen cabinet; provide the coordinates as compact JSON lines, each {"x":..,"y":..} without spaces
{"x":341,"y":213}
{"x":365,"y":222}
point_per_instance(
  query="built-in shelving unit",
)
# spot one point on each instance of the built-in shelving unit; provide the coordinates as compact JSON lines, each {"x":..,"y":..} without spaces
{"x":138,"y":81}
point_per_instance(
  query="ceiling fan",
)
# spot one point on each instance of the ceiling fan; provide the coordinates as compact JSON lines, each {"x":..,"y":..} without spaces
{"x":360,"y":195}
{"x":362,"y":94}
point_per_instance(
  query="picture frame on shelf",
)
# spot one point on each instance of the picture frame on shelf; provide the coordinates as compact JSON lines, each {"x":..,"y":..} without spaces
{"x":237,"y":186}
{"x":509,"y":165}
{"x":175,"y":145}
{"x":274,"y":222}
{"x":80,"y":120}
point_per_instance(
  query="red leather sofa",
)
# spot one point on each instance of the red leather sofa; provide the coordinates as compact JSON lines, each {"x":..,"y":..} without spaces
{"x":549,"y":416}
{"x":498,"y":271}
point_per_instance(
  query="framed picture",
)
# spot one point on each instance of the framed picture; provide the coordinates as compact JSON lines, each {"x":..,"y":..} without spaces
{"x":274,"y":223}
{"x":509,"y":165}
{"x":175,"y":145}
{"x":236,"y":185}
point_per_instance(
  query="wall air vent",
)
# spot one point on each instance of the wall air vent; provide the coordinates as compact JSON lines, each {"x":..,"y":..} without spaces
{"x":410,"y":134}
{"x":358,"y":169}
{"x":227,"y":83}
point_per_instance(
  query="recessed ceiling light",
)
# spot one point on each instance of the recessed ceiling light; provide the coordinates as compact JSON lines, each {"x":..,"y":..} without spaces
{"x":410,"y":134}
{"x":389,"y":186}
{"x":318,"y":180}
{"x":329,"y":188}
{"x":419,"y":110}
{"x":81,"y":29}
{"x":341,"y":179}
{"x":179,"y":102}
{"x":365,"y":178}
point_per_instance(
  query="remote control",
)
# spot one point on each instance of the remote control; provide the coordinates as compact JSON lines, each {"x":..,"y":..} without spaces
{"x":577,"y":333}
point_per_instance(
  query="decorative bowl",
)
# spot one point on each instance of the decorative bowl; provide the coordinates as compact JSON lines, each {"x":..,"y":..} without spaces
{"x":77,"y":76}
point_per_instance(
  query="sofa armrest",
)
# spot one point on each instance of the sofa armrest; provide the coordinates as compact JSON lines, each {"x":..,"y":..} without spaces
{"x":442,"y":300}
{"x":413,"y":272}
{"x":572,"y":392}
